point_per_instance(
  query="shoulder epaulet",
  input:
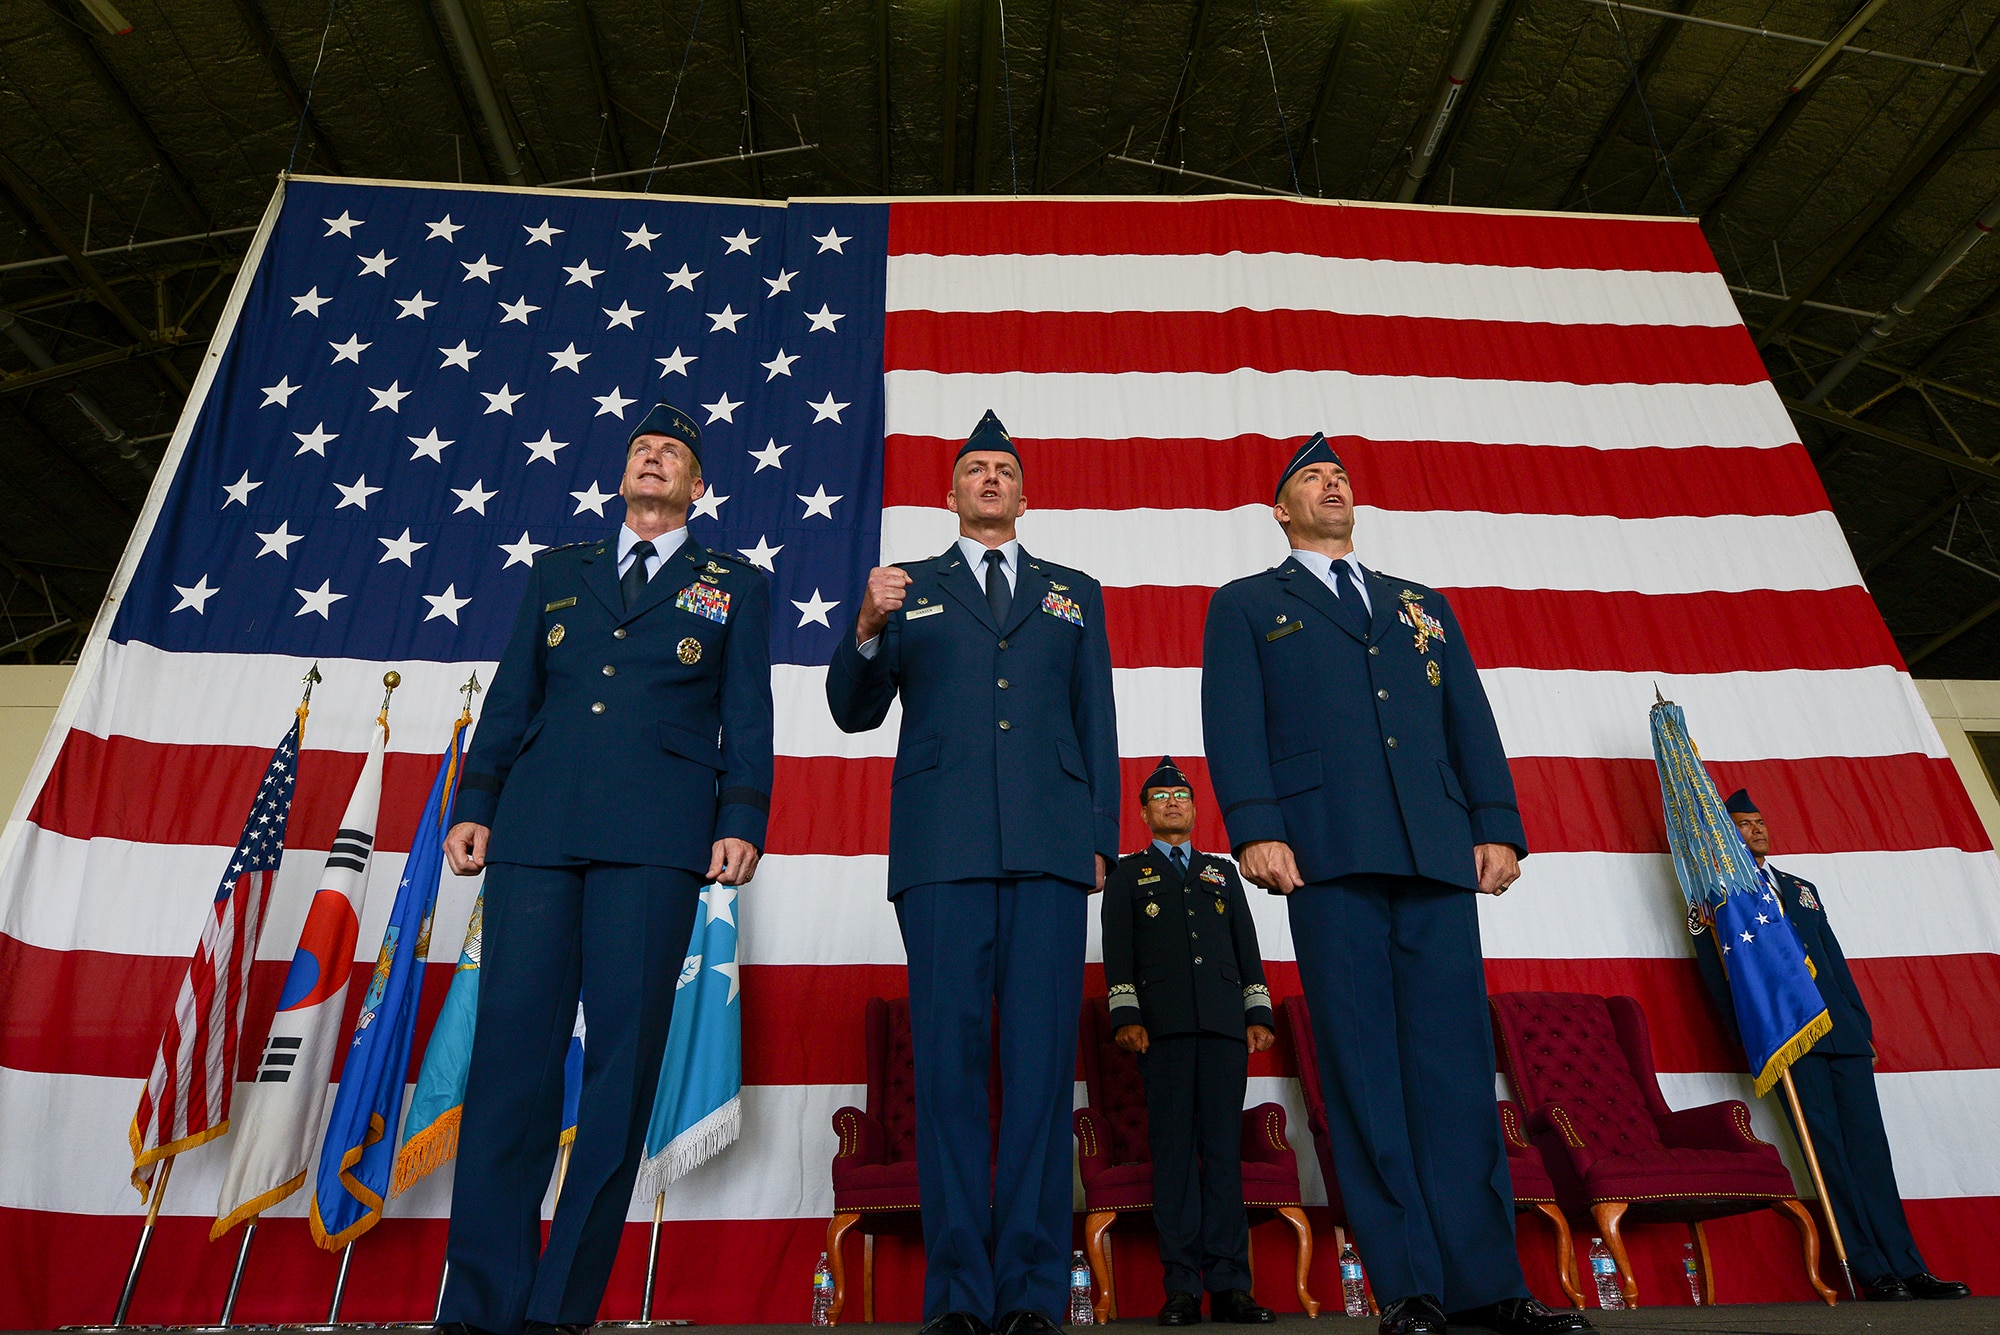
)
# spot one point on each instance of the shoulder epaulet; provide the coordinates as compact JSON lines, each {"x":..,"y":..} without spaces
{"x":570,"y":546}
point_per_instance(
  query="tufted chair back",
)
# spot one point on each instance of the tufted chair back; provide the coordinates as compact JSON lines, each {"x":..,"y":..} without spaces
{"x":892,"y":1067}
{"x":1116,"y":1089}
{"x":1591,"y":1054}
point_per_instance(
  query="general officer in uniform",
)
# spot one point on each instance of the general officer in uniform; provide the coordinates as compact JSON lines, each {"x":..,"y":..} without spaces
{"x":1003,"y":818}
{"x":623,"y":758}
{"x":1360,"y":772}
{"x":1188,"y":996}
{"x":1836,"y":1084}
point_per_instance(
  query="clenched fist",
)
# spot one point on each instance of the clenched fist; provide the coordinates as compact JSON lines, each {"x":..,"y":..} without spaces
{"x":884,"y":595}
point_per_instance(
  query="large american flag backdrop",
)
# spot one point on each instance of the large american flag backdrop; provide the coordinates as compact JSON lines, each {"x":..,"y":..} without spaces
{"x":1559,"y":420}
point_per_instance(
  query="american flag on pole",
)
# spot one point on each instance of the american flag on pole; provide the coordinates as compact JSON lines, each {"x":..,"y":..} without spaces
{"x":1558,"y":420}
{"x":186,"y":1099}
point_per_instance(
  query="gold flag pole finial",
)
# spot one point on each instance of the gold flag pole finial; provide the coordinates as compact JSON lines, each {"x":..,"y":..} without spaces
{"x":470,"y":689}
{"x":1658,"y":699}
{"x":311,"y":679}
{"x":390,"y":681}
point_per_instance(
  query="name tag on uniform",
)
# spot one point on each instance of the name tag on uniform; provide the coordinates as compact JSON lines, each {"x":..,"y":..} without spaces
{"x":1063,"y":609}
{"x":1284,"y":630}
{"x":559,"y":604}
{"x":1149,"y":880}
{"x":921,"y":613}
{"x":704,"y":600}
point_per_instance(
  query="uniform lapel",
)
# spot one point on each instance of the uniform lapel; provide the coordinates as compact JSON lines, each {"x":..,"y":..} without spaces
{"x":1303,"y":584}
{"x":670,"y":578}
{"x":600,"y":576}
{"x":1384,"y":605}
{"x":957,"y":579}
{"x":1030,"y":587}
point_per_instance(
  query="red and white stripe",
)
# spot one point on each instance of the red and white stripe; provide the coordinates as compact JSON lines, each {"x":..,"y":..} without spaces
{"x":1559,"y":421}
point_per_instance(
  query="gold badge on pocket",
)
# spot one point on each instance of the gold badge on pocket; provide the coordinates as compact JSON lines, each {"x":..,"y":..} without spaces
{"x":1432,"y":671}
{"x":555,"y":634}
{"x":1152,"y":910}
{"x":1219,"y":908}
{"x":689,"y":651}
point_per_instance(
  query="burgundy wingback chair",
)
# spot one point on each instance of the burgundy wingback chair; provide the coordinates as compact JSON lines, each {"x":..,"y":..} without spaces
{"x":1116,"y":1163}
{"x":875,"y":1169}
{"x":1532,"y":1189}
{"x":1582,"y":1066}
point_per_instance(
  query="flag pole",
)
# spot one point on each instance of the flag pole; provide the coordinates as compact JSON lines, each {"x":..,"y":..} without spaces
{"x":562,"y":1167}
{"x":1819,"y":1182}
{"x":652,"y":1260}
{"x":236,"y":1275}
{"x":145,"y":1240}
{"x":444,"y":1278}
{"x":340,"y":1285}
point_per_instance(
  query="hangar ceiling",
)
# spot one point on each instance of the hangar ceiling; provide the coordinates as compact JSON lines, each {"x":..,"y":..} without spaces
{"x":133,"y":165}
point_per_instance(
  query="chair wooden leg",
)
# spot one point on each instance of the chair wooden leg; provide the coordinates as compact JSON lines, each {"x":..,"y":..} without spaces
{"x":1302,"y":1228}
{"x":868,"y":1279}
{"x":836,"y":1233}
{"x":1700,"y":1236}
{"x":1095,"y":1226}
{"x":1809,"y":1242}
{"x":1565,"y":1254}
{"x":1607,"y":1214}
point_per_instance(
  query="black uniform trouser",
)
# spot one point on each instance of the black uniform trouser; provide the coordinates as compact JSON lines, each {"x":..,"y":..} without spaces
{"x":1845,"y":1117}
{"x":618,"y":934}
{"x":1194,"y":1124}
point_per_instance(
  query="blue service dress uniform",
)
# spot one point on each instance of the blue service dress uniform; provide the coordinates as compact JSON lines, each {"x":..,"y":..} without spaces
{"x":1836,"y":1085}
{"x":1372,"y":751}
{"x":615,"y":748}
{"x":1005,"y":789}
{"x":1181,"y":958}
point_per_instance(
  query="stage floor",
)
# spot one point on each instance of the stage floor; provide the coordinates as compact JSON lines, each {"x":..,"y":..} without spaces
{"x":1973,"y":1316}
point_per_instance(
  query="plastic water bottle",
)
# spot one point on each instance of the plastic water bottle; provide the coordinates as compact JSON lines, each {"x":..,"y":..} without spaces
{"x":1605,"y":1271}
{"x":1689,"y":1264}
{"x":822,"y":1293}
{"x":1081,"y":1313}
{"x":1353,"y":1286}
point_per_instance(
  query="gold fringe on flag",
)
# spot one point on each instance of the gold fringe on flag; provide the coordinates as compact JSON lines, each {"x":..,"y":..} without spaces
{"x":427,"y":1151}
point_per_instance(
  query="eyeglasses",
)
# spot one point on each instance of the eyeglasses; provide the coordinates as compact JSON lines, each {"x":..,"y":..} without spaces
{"x":1170,"y":795}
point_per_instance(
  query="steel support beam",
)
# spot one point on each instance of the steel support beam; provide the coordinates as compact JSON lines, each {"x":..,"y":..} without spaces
{"x":439,"y":52}
{"x":88,"y":481}
{"x":267,"y":46}
{"x":1475,"y":89}
{"x":1184,"y":90}
{"x":63,"y":605}
{"x":1046,"y":119}
{"x":1911,"y":177}
{"x":1767,"y":141}
{"x":741,"y":43}
{"x":170,"y":170}
{"x":25,"y":198}
{"x":1964,"y":463}
{"x":55,"y":371}
{"x":882,"y":85}
{"x":483,"y":91}
{"x":1960,"y":493}
{"x":1329,"y":79}
{"x":989,"y":88}
{"x":948,"y":138}
{"x":593,"y":55}
{"x":1607,"y":135}
{"x":1977,"y":618}
{"x":31,"y":348}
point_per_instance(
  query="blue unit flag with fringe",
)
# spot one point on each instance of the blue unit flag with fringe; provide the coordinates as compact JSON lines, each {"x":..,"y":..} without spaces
{"x":430,"y":1127}
{"x":1779,"y":1011}
{"x":698,"y":1108}
{"x":359,"y":1153}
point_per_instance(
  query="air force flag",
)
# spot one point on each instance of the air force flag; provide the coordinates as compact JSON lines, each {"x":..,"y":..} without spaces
{"x":698,"y":1108}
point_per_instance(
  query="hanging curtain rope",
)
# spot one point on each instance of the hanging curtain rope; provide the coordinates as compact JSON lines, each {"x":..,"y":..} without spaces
{"x":300,"y":133}
{"x":653,"y":167}
{"x":1272,"y":66}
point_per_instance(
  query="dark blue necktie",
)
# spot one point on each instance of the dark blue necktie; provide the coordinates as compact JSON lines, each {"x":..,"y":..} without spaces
{"x":634,"y":582}
{"x":1348,"y":593}
{"x":999,"y":597}
{"x":1179,"y":856}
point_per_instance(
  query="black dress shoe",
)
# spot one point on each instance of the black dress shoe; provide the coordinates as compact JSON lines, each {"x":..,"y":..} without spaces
{"x":956,"y":1323}
{"x":548,"y":1328}
{"x":1924,"y":1284}
{"x":1238,"y":1306}
{"x":458,"y":1328}
{"x":1522,"y":1316}
{"x":1887,"y":1289}
{"x":1182,"y":1309}
{"x":1024,"y":1321}
{"x":1419,"y":1315}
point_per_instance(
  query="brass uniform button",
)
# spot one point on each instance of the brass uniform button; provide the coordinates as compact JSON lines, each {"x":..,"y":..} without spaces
{"x":618,"y":634}
{"x":1005,"y":725}
{"x":1003,"y":644}
{"x":1392,"y":743}
{"x":610,"y":671}
{"x":597,"y":708}
{"x":1381,"y":695}
{"x":1003,"y":683}
{"x":1374,"y":649}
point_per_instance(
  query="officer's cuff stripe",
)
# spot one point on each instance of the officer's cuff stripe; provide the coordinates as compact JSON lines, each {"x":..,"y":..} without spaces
{"x":1494,"y":806}
{"x":1235,"y":807}
{"x":479,"y":783}
{"x":744,"y":797}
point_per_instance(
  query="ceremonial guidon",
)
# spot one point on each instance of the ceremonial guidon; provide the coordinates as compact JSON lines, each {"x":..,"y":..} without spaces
{"x":1187,"y":991}
{"x":1003,"y":816}
{"x":1836,"y":1086}
{"x":624,"y":757}
{"x":1360,"y":771}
